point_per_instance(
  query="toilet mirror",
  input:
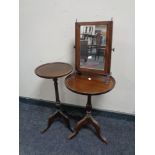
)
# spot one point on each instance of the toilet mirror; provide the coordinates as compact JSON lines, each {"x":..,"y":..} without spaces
{"x":93,"y":46}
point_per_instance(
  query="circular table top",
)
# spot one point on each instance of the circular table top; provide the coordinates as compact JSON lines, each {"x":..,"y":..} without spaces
{"x":53,"y":70}
{"x":89,"y":84}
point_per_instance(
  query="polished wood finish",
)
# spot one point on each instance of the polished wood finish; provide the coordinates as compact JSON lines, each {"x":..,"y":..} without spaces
{"x":88,"y":119}
{"x":53,"y":71}
{"x":107,"y":55}
{"x":52,"y":118}
{"x":87,"y":84}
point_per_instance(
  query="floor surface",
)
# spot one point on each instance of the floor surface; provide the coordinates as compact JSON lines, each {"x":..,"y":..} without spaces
{"x":119,"y":132}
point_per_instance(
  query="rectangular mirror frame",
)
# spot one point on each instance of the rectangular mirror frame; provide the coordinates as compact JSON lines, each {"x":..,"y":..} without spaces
{"x":107,"y":57}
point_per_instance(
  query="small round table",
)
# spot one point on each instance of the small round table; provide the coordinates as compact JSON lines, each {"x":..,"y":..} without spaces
{"x":54,"y":71}
{"x":89,"y":85}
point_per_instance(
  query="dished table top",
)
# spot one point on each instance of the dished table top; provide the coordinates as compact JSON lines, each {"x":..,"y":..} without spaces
{"x":89,"y":84}
{"x":53,"y":70}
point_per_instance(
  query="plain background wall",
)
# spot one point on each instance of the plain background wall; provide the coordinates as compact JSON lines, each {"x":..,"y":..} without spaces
{"x":47,"y":34}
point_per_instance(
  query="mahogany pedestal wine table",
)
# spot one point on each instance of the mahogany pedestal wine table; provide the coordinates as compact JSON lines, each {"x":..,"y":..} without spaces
{"x":54,"y":71}
{"x":88,"y":85}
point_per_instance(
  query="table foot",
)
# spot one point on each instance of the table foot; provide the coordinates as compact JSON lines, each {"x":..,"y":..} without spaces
{"x":88,"y":119}
{"x":54,"y":116}
{"x":72,"y":135}
{"x":78,"y":127}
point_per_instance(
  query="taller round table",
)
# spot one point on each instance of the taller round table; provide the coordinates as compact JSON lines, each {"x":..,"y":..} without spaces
{"x":88,"y":85}
{"x":54,"y":71}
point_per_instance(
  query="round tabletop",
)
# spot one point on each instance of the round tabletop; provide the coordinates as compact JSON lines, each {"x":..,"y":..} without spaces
{"x":53,"y":70}
{"x":89,"y":84}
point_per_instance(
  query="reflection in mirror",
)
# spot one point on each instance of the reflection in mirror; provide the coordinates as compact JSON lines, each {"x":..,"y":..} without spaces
{"x":92,"y":46}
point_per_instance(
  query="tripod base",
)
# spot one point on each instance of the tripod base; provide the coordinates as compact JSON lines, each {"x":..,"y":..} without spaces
{"x":54,"y":116}
{"x":88,"y":119}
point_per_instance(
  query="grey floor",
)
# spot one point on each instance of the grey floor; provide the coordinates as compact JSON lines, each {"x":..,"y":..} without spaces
{"x":33,"y":118}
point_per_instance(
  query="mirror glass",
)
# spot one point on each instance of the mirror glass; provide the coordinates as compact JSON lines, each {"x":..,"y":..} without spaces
{"x":92,"y":46}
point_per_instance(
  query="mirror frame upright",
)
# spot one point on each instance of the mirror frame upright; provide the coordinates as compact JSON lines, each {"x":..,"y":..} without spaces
{"x":107,"y":57}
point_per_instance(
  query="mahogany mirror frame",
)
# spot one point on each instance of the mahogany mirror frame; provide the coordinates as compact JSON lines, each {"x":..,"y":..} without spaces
{"x":108,"y":49}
